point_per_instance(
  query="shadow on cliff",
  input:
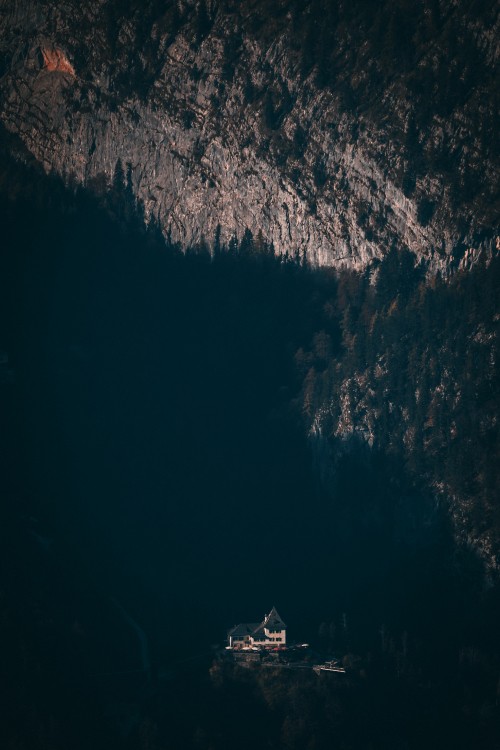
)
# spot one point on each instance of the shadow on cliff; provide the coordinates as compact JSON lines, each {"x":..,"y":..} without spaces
{"x":156,"y":438}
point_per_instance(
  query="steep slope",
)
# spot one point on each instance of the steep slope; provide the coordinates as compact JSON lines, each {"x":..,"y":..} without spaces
{"x":153,"y":453}
{"x":418,"y":379}
{"x":331,"y":128}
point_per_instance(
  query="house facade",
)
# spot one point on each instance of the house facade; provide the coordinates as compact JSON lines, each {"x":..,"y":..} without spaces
{"x":270,"y":633}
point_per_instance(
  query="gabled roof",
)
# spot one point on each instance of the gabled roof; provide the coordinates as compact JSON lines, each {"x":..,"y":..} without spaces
{"x":272,"y":621}
{"x":244,"y":628}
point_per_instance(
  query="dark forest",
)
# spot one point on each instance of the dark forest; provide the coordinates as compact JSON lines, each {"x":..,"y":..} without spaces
{"x":163,"y":466}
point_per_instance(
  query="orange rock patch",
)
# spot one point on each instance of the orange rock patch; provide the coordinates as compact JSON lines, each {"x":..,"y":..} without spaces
{"x":55,"y":59}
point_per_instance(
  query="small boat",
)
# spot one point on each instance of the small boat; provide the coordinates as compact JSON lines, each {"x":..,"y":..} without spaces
{"x":329,"y":666}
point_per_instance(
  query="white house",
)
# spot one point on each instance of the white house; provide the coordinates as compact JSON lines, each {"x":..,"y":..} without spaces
{"x":270,"y":633}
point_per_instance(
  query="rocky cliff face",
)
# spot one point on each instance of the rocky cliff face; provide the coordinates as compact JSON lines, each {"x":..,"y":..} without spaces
{"x":417,"y":379}
{"x":252,"y":116}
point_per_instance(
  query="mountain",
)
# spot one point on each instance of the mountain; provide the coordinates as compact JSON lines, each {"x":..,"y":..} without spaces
{"x":337,"y":129}
{"x":159,"y":413}
{"x":249,"y":356}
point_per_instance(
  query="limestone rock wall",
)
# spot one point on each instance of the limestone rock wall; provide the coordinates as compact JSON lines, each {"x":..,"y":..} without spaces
{"x":220,"y":126}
